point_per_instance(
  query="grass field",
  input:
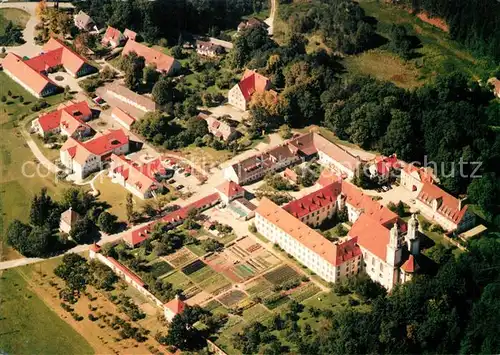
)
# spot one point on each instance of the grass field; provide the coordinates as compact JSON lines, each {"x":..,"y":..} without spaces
{"x":438,"y":53}
{"x":16,"y":187}
{"x":29,"y":326}
{"x":17,"y":16}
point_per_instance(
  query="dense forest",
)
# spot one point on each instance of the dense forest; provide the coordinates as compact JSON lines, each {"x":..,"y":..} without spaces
{"x":167,"y":19}
{"x":475,"y":23}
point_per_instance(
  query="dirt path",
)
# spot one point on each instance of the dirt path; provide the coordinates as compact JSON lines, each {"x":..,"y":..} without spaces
{"x":270,"y":20}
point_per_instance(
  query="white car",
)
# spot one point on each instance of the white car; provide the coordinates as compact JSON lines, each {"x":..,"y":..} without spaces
{"x":385,"y":188}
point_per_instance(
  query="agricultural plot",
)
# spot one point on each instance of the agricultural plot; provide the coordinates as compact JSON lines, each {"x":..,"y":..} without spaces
{"x":178,"y":280}
{"x":259,"y":287}
{"x":200,"y":274}
{"x":159,"y":268}
{"x":232,"y":298}
{"x":257,"y":313}
{"x":191,"y":292}
{"x":304,"y":292}
{"x":281,"y":274}
{"x":199,"y":298}
{"x":216,"y":284}
{"x":181,"y":257}
{"x":213,"y":304}
{"x":193,"y":267}
{"x":276,"y":300}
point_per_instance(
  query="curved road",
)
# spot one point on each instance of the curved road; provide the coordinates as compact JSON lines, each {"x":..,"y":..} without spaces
{"x":270,"y":20}
{"x":30,"y":48}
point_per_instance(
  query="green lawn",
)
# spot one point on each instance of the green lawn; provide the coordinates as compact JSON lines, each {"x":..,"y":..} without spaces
{"x":19,"y":179}
{"x":29,"y":326}
{"x":17,"y":16}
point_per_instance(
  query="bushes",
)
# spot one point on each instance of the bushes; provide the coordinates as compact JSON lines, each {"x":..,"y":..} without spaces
{"x":91,"y":83}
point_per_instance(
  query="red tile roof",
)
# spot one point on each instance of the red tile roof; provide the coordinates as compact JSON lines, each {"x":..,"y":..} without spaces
{"x":123,"y":116}
{"x":410,"y":265}
{"x":328,"y":177}
{"x":230,"y":188}
{"x":305,"y":235}
{"x":112,"y":34}
{"x":448,"y":205}
{"x":176,"y":305}
{"x":101,"y":144}
{"x":141,"y":176}
{"x":253,"y":82}
{"x":72,"y":61}
{"x":425,"y":173}
{"x":359,"y":200}
{"x":74,"y":112}
{"x":162,"y":61}
{"x":130,"y":34}
{"x":26,"y":74}
{"x":371,"y":235}
{"x":314,"y":201}
{"x":139,"y":235}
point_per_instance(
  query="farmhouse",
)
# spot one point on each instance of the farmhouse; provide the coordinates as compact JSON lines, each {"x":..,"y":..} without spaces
{"x":32,"y":74}
{"x":128,"y":96}
{"x":446,"y":210}
{"x":84,"y":22}
{"x":209,"y":49}
{"x":122,"y":118}
{"x":220,"y":129}
{"x":252,"y":22}
{"x":113,"y":38}
{"x":68,"y":120}
{"x":164,"y":63}
{"x":83,"y":158}
{"x":240,"y":95}
{"x":129,"y":34}
{"x":229,"y":190}
{"x":139,"y":179}
{"x":301,"y":148}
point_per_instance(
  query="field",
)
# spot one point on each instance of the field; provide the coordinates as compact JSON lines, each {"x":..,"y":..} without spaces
{"x":17,"y":16}
{"x":438,"y":54}
{"x":115,"y":195}
{"x":29,"y":326}
{"x":19,"y":180}
{"x":181,"y":257}
{"x":281,"y":274}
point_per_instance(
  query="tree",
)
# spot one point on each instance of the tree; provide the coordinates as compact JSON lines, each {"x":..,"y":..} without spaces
{"x":74,"y":270}
{"x":177,"y":52}
{"x":181,"y":333}
{"x":107,"y":222}
{"x":41,"y":9}
{"x":400,"y":41}
{"x":484,"y":191}
{"x":285,"y":131}
{"x":133,"y":66}
{"x":17,"y":235}
{"x":196,"y":127}
{"x":43,"y":210}
{"x":130,"y":207}
{"x":150,"y":75}
{"x":83,"y":231}
{"x":211,"y":245}
{"x":78,"y":199}
{"x":163,"y":91}
{"x":400,"y":209}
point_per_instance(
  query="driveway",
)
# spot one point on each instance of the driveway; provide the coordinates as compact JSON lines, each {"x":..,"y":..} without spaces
{"x":29,"y":49}
{"x":67,"y":80}
{"x":270,"y":20}
{"x":227,"y":109}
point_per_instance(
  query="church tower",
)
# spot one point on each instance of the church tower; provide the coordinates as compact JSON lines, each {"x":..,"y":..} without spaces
{"x":412,"y":237}
{"x":393,"y":251}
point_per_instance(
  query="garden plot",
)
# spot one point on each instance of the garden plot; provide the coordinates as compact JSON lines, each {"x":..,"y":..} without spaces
{"x":198,"y":298}
{"x":232,"y":298}
{"x":281,"y":274}
{"x":181,"y":257}
{"x":259,"y":287}
{"x":242,"y":260}
{"x":304,"y":292}
{"x":257,"y":313}
{"x":159,"y":268}
{"x":178,"y":280}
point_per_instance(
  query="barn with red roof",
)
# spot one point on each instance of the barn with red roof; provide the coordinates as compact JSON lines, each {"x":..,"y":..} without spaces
{"x":240,"y":95}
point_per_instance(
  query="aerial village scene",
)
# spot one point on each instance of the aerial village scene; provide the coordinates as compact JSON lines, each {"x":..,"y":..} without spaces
{"x":249,"y":177}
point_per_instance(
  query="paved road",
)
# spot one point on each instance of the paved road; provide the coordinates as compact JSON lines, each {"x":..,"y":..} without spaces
{"x":50,"y":166}
{"x":29,"y":49}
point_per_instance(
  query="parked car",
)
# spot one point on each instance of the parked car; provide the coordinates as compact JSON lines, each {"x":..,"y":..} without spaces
{"x":187,"y":174}
{"x":171,"y":181}
{"x":385,"y":188}
{"x":181,"y":170}
{"x":179,"y":187}
{"x":99,"y":100}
